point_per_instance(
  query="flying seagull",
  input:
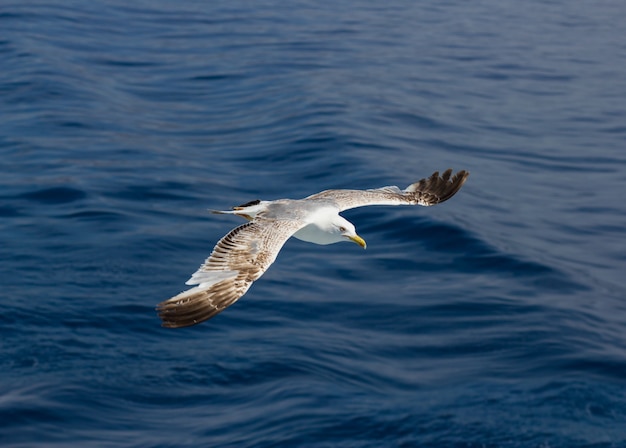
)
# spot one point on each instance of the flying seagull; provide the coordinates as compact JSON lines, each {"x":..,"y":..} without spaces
{"x":245,"y":253}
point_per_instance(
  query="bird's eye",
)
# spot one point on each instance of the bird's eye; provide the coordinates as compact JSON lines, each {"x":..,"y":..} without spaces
{"x":342,"y":229}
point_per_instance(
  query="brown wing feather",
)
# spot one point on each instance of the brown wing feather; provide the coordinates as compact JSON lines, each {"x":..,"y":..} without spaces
{"x":436,"y":189}
{"x":237,"y":260}
{"x":426,"y":192}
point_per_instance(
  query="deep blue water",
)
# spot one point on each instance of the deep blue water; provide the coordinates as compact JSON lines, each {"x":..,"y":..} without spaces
{"x":497,"y":319}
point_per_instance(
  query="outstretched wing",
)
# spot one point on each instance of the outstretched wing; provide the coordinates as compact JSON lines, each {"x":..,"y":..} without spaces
{"x":425,"y":192}
{"x":238,"y":259}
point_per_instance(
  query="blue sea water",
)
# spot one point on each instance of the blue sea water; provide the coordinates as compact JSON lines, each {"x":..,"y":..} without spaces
{"x":496,"y":319}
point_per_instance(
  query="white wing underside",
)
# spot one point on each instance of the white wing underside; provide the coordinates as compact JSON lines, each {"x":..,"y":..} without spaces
{"x":238,"y":259}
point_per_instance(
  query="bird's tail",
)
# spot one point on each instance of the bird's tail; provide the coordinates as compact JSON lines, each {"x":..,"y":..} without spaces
{"x":248,"y":210}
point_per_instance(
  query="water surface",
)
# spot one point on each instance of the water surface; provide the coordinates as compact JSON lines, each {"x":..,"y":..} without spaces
{"x":496,"y":319}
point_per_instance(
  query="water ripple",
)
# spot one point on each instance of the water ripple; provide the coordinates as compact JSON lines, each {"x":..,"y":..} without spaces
{"x":495,"y":319}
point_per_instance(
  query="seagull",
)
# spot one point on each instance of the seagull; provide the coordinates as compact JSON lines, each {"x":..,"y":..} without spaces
{"x":247,"y":251}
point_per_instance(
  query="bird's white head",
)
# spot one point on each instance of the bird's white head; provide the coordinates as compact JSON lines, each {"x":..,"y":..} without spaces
{"x":345,"y":231}
{"x":327,"y":227}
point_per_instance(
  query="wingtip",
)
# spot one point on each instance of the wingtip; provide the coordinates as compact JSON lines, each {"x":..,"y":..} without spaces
{"x":448,"y":185}
{"x":185,"y":309}
{"x":438,"y":188}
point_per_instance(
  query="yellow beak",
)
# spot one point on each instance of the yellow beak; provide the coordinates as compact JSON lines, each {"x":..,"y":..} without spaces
{"x":360,"y":241}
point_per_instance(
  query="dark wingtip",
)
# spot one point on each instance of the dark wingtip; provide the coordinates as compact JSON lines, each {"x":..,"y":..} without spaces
{"x":185,"y":309}
{"x":448,"y":187}
{"x":439,"y":188}
{"x":451,"y":186}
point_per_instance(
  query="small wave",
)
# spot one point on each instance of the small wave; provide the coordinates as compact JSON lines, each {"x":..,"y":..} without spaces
{"x":55,"y":195}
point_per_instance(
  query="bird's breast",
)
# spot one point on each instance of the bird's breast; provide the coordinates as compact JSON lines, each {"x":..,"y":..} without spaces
{"x":313,"y":234}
